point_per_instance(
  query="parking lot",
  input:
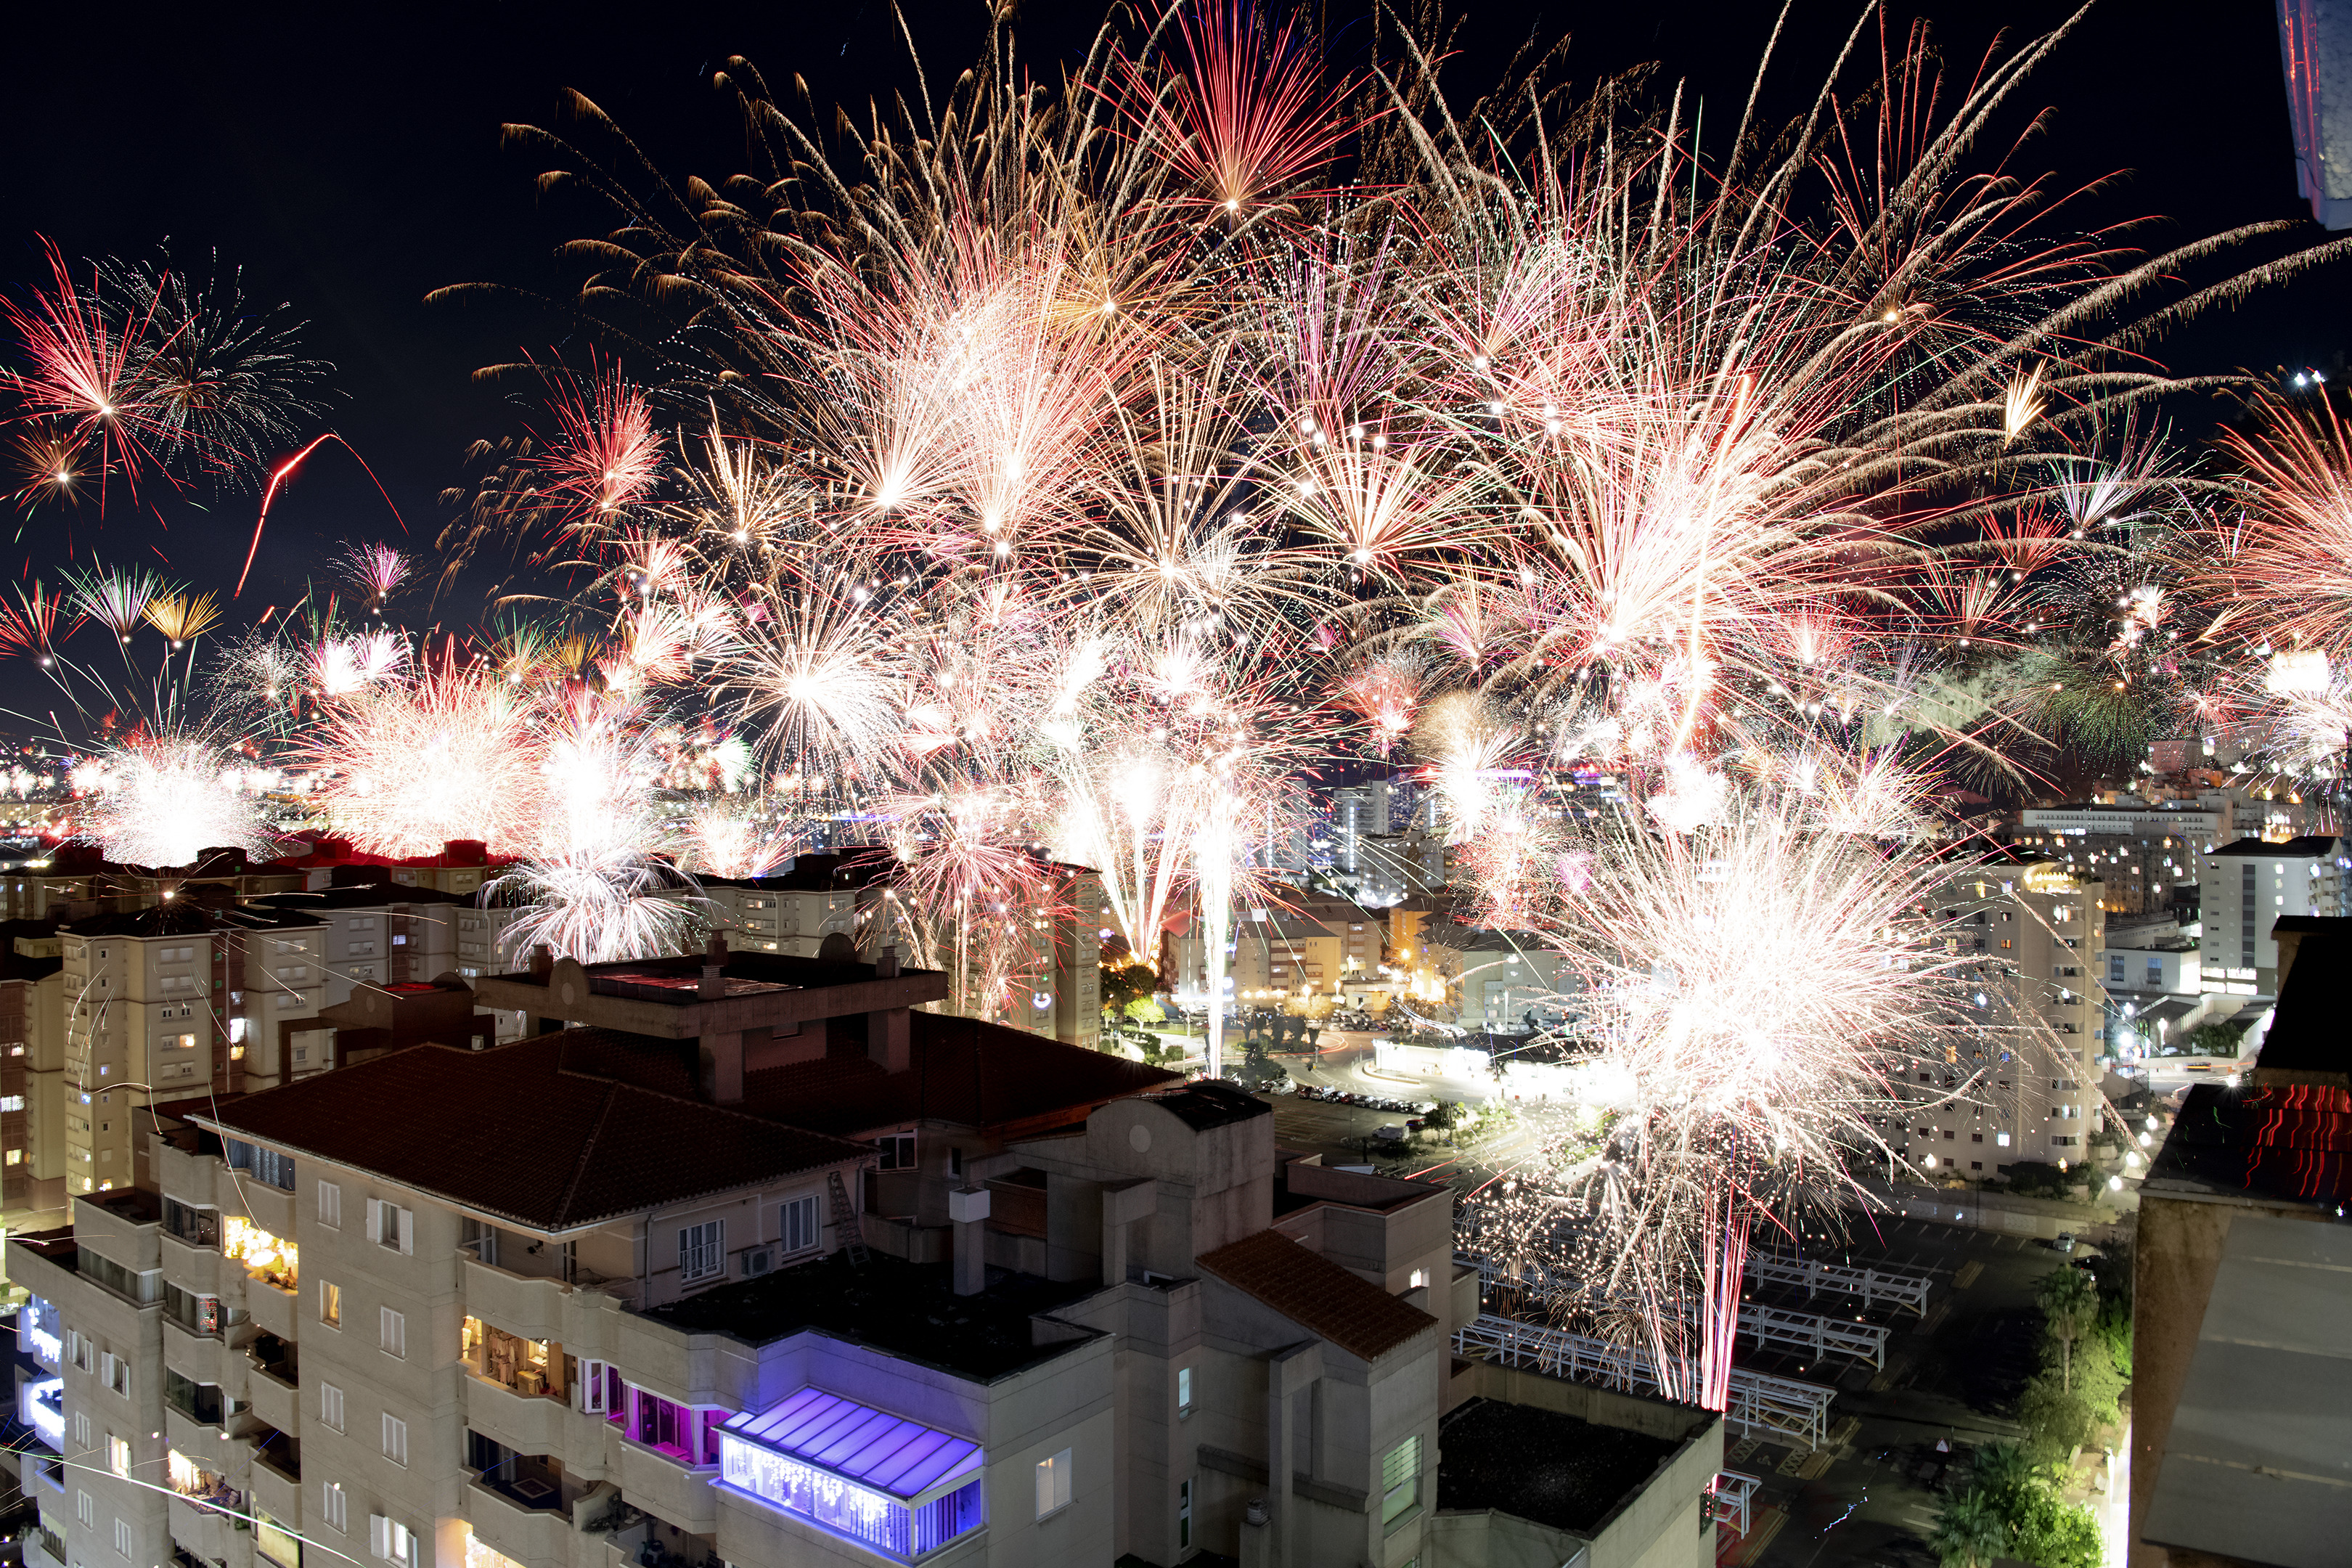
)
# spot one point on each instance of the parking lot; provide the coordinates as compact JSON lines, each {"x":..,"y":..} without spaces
{"x":1870,"y":1496}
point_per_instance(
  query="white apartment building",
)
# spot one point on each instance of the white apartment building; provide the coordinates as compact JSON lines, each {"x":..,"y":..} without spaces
{"x":2248,"y":886}
{"x":2029,"y":933}
{"x":142,"y":994}
{"x":546,"y":1306}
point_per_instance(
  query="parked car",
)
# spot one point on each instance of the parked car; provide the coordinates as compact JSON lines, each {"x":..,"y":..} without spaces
{"x":1389,"y":1132}
{"x":2065,"y":1242}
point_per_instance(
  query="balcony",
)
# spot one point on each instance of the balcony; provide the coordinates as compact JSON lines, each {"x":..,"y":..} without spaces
{"x":185,"y":1173}
{"x":532,"y":1308}
{"x":271,"y":1309}
{"x":682,"y":1494}
{"x":274,"y":1453}
{"x":533,"y":1423}
{"x":272,"y":1384}
{"x":205,"y":1533}
{"x":521,"y":1504}
{"x":196,"y":1357}
{"x":191,"y":1266}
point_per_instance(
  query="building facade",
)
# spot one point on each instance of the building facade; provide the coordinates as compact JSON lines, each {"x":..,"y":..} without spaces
{"x":2027,"y":933}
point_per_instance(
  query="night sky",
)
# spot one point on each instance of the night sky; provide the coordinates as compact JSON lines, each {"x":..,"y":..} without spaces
{"x":348,"y":158}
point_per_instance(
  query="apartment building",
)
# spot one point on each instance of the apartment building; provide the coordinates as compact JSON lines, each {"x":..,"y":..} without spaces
{"x":32,"y":1071}
{"x":589,"y":1299}
{"x":144,"y":993}
{"x":791,"y":913}
{"x":2149,"y":854}
{"x":2028,"y":933}
{"x":1497,"y":980}
{"x":2252,"y":884}
{"x":379,"y":932}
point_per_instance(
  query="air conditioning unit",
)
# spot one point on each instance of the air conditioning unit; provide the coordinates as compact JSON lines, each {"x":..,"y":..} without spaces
{"x":759,"y":1260}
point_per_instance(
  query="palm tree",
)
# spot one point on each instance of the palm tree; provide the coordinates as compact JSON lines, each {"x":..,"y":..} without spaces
{"x":2070,"y":1301}
{"x":1968,"y":1531}
{"x":2000,"y":1471}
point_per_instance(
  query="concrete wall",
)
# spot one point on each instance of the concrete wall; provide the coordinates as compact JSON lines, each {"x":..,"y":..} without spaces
{"x":2178,"y":1253}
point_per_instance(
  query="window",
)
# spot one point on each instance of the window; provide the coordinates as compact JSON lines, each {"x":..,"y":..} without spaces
{"x":592,"y":1387}
{"x":391,"y":1331}
{"x":395,"y":1439}
{"x":122,"y":1542}
{"x":391,"y":1225}
{"x":679,"y":1432}
{"x":77,"y":1352}
{"x":1183,"y":1392}
{"x":85,"y":1510}
{"x":81,"y":1430}
{"x":955,"y":1161}
{"x":898,"y":1152}
{"x":701,"y":1251}
{"x":331,"y":1407}
{"x":331,"y":1503}
{"x":115,"y":1372}
{"x":798,"y":1224}
{"x":331,"y":1205}
{"x":392,"y":1543}
{"x":1053,"y":1483}
{"x":331,"y":1304}
{"x":1419,"y":1280}
{"x":117,"y":1455}
{"x":1401,"y":1480}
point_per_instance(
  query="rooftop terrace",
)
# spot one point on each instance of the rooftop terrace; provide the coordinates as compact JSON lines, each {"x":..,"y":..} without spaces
{"x":1540,"y":1465}
{"x":908,"y":1309}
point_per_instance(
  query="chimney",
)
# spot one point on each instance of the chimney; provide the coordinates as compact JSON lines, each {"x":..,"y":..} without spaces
{"x":714,"y":967}
{"x":885,"y":964}
{"x":542,"y":962}
{"x":968,"y":1208}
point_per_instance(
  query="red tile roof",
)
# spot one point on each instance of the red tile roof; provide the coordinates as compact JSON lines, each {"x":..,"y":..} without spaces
{"x":1318,"y":1294}
{"x":963,"y":1071}
{"x":509,"y":1132}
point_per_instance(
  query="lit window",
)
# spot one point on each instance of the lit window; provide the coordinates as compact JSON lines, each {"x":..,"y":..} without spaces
{"x":1401,"y":1480}
{"x":1053,"y":1484}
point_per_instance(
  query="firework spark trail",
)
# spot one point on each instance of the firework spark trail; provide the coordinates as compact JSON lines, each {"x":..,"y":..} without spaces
{"x":284,"y":471}
{"x":162,"y":800}
{"x":447,"y":754}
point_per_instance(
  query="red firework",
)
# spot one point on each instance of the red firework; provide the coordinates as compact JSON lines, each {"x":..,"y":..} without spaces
{"x":81,"y":374}
{"x":606,"y":457}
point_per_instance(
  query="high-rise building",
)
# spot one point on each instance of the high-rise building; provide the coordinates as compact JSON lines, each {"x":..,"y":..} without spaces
{"x":2027,"y":934}
{"x":2251,"y":884}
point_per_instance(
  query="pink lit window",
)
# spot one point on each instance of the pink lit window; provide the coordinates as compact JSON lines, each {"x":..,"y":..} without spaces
{"x":685,"y":1434}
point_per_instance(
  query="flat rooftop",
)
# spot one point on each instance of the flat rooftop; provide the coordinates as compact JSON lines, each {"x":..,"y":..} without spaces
{"x":908,"y":1309}
{"x":1540,"y":1465}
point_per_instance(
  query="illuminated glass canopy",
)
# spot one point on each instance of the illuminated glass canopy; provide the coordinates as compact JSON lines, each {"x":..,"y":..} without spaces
{"x":890,"y":1484}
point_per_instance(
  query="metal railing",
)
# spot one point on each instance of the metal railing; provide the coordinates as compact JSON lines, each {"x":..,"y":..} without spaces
{"x":1733,"y":1493}
{"x":1782,"y":1408}
{"x":1765,"y":1325}
{"x":1820,"y":1336}
{"x":1868,"y":1286}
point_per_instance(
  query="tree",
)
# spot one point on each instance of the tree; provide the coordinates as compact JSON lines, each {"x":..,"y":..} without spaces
{"x":1126,"y":983}
{"x":2048,"y":1533}
{"x":1968,"y":1531}
{"x":2070,"y":1304}
{"x":1442,"y":1116}
{"x":2004,"y":1472}
{"x":2057,"y":1421}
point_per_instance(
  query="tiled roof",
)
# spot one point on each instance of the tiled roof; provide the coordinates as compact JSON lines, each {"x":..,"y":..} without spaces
{"x":510,"y":1133}
{"x":963,"y":1070}
{"x":1318,"y":1294}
